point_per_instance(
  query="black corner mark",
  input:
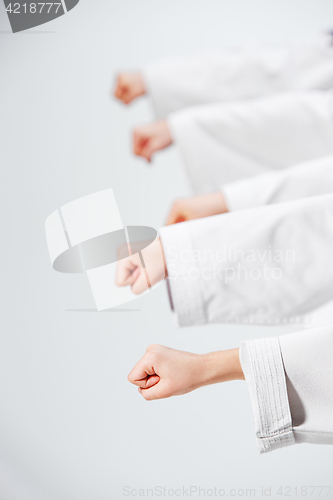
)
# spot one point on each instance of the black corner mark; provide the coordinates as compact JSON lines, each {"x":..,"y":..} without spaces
{"x":27,"y":14}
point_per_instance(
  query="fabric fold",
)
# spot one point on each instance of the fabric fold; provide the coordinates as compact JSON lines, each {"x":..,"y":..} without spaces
{"x":262,"y":365}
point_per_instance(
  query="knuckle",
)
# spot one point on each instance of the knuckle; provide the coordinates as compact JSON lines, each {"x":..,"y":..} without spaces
{"x":150,"y":357}
{"x":152,"y":347}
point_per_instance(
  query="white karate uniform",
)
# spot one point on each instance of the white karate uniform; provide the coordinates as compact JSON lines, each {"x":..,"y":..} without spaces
{"x":225,"y":142}
{"x":290,"y":382}
{"x":234,"y":126}
{"x":290,"y":379}
{"x":311,"y":178}
{"x":265,"y":265}
{"x":289,"y":247}
{"x":239,"y":73}
{"x":269,"y":264}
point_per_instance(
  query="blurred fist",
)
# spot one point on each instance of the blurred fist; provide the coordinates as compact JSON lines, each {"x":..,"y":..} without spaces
{"x":163,"y":372}
{"x":150,"y":138}
{"x":197,"y":207}
{"x":129,"y":86}
{"x":142,"y":269}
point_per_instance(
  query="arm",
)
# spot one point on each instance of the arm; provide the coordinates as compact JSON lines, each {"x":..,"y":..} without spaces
{"x":221,"y":143}
{"x":266,"y":265}
{"x":163,"y":372}
{"x":290,"y":382}
{"x":313,"y":178}
{"x":233,"y":74}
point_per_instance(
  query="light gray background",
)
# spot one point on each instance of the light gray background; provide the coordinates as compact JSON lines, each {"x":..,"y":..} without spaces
{"x":71,"y":426}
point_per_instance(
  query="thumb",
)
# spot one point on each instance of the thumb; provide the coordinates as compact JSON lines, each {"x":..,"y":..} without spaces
{"x":139,"y":141}
{"x":128,"y":270}
{"x":144,"y":147}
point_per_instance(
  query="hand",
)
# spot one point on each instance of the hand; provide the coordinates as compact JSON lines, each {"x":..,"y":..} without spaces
{"x":150,"y":138}
{"x":196,"y":207}
{"x":130,"y":270}
{"x":129,"y":86}
{"x":163,"y":372}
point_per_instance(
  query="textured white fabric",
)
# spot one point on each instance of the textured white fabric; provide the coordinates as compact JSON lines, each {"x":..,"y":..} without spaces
{"x":312,"y":178}
{"x":224,"y":142}
{"x":264,"y":373}
{"x":265,"y":265}
{"x":290,"y":382}
{"x":239,"y":73}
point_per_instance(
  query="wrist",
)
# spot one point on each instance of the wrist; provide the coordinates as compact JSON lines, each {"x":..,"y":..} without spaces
{"x":220,"y":366}
{"x":140,"y":84}
{"x":163,"y":258}
{"x":218,"y":203}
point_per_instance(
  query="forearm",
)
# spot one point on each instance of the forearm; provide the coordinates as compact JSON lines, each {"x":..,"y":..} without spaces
{"x":289,"y":381}
{"x":238,"y":73}
{"x":250,"y":266}
{"x":311,"y":178}
{"x":223,"y":142}
{"x":220,"y":366}
{"x":197,"y":207}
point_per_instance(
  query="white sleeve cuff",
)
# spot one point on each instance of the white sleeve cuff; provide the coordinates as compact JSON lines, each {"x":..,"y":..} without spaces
{"x":186,"y":299}
{"x":258,"y":190}
{"x":263,"y":369}
{"x":239,"y":196}
{"x":196,"y":150}
{"x":153,"y":83}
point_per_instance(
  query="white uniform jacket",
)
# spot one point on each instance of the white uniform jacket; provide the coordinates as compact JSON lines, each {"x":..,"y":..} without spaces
{"x":290,"y":381}
{"x":231,"y":138}
{"x":266,"y":265}
{"x":311,"y":178}
{"x":233,"y":74}
{"x":224,"y":142}
{"x":270,"y":264}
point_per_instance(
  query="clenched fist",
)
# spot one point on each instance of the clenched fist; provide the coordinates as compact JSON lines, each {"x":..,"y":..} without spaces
{"x":129,"y":86}
{"x":163,"y":372}
{"x":196,"y":207}
{"x":147,"y":139}
{"x":142,"y":269}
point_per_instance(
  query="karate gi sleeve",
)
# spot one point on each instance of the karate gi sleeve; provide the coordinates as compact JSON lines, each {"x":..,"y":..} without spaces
{"x":290,"y":382}
{"x":239,"y":73}
{"x":307,"y":179}
{"x":222,"y":143}
{"x":266,"y":265}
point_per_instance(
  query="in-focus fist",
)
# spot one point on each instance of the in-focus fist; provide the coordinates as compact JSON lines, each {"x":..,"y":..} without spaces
{"x":163,"y":372}
{"x":142,"y":269}
{"x":150,"y":138}
{"x":129,"y":86}
{"x":196,"y":207}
